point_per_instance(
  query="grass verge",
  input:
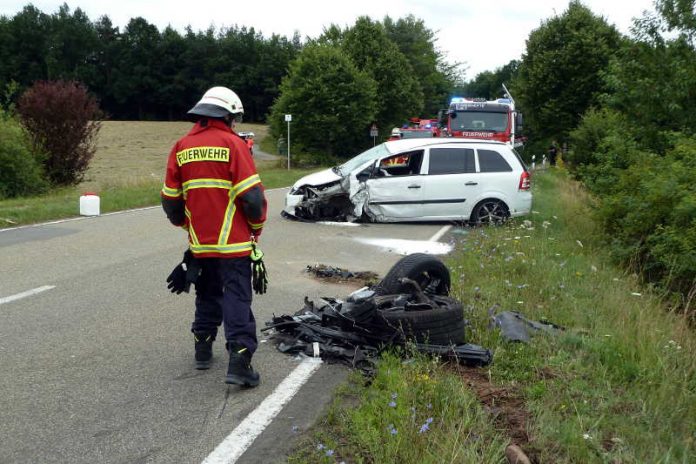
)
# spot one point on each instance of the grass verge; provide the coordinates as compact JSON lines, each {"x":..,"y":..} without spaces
{"x":618,"y":385}
{"x":114,"y":196}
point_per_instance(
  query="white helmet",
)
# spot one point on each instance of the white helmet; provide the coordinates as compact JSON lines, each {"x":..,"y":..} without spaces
{"x":396,"y":132}
{"x":218,"y":102}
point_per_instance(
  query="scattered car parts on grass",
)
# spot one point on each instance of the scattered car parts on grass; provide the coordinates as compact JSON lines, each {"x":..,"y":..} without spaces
{"x":410,"y":306}
{"x":515,"y":327}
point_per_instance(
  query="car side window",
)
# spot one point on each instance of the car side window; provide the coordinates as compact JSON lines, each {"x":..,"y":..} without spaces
{"x":402,"y":164}
{"x":492,"y":161}
{"x":451,"y":161}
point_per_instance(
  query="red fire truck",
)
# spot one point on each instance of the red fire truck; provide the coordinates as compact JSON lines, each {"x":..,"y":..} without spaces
{"x":420,"y":128}
{"x":477,"y":118}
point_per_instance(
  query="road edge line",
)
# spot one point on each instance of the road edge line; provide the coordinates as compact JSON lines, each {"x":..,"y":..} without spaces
{"x":241,"y":438}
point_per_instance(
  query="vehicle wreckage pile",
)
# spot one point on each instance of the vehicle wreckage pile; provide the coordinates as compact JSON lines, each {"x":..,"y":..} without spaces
{"x":409,"y":307}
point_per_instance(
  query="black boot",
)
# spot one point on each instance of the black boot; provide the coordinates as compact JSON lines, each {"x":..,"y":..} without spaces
{"x":204,"y":349}
{"x":239,"y":371}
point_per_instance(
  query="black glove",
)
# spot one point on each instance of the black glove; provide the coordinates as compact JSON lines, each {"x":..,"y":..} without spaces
{"x":259,"y":276}
{"x":184,"y":274}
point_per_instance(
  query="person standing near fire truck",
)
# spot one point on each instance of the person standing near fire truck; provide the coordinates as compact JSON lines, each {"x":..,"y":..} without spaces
{"x":212,"y":190}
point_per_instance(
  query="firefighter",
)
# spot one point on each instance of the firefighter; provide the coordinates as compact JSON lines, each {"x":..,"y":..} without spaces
{"x":212,"y":190}
{"x":250,"y":143}
{"x":395,"y":134}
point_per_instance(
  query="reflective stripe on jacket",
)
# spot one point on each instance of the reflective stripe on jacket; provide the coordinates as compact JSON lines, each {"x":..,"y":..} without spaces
{"x":210,"y":169}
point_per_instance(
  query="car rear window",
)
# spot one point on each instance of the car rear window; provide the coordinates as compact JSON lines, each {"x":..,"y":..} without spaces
{"x":451,"y":161}
{"x":492,"y":161}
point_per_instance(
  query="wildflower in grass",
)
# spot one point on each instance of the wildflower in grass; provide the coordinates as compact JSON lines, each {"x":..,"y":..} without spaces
{"x":429,"y":405}
{"x":392,"y":429}
{"x":329,"y":452}
{"x":320,"y":446}
{"x":636,"y":294}
{"x":392,"y":404}
{"x":579,"y":243}
{"x":424,"y":428}
{"x":393,"y":396}
{"x":587,"y":436}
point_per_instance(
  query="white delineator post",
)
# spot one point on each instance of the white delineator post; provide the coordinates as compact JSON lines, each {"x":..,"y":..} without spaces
{"x":288,"y":118}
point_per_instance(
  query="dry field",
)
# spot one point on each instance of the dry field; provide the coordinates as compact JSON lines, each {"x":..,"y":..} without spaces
{"x":133,"y":152}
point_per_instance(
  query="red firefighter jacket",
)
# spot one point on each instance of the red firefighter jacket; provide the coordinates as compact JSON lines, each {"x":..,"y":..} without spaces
{"x":211,"y":170}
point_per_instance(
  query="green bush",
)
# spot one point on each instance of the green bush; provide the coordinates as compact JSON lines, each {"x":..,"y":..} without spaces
{"x":20,"y":167}
{"x":650,"y":215}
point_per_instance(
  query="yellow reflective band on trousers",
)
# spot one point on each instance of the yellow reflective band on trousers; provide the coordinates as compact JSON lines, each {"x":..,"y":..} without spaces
{"x":223,"y":249}
{"x":203,"y":154}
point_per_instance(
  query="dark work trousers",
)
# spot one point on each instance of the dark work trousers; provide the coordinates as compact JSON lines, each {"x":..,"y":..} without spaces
{"x":223,"y":295}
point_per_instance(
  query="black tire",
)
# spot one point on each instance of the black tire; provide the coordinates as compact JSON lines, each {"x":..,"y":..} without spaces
{"x":427,"y":271}
{"x":490,"y":211}
{"x":442,"y":325}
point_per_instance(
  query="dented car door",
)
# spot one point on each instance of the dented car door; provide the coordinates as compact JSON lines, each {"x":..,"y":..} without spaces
{"x":395,"y":187}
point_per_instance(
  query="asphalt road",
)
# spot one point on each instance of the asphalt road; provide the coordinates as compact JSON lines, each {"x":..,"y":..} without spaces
{"x":99,"y":368}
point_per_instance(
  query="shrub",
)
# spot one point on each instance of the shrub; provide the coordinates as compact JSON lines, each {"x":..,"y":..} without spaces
{"x":20,"y":166}
{"x":61,"y":118}
{"x":650,"y":215}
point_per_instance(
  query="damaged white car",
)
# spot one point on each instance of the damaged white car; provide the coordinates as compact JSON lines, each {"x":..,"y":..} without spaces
{"x":418,"y":180}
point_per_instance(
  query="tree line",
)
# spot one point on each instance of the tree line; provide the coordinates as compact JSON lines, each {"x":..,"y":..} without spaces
{"x":140,"y":72}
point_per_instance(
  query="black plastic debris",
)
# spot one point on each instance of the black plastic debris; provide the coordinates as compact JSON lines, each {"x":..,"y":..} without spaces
{"x":337,"y":274}
{"x":515,"y":327}
{"x":355,"y":331}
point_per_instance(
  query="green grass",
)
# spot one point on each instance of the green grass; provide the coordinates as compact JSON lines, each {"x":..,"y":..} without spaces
{"x":64,"y":203}
{"x":410,"y":413}
{"x":617,"y":386}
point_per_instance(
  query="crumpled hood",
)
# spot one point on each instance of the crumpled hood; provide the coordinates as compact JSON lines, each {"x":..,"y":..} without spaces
{"x":318,"y":178}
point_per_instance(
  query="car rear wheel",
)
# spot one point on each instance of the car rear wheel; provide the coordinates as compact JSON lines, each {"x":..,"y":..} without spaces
{"x":490,"y":212}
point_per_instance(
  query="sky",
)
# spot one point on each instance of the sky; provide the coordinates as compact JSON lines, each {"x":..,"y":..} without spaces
{"x":481,"y":34}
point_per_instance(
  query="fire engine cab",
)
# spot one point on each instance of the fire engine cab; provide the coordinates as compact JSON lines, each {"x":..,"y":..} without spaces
{"x":477,"y":118}
{"x":420,"y":128}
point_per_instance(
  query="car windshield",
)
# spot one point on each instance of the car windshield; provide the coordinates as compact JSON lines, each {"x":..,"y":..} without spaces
{"x":373,"y":153}
{"x":479,"y":121}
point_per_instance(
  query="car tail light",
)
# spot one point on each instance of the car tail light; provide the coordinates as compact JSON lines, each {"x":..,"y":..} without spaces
{"x":525,"y":181}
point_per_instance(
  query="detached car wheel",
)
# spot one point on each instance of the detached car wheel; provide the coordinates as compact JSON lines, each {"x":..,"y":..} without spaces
{"x":490,"y":212}
{"x":442,"y":324}
{"x":427,"y":271}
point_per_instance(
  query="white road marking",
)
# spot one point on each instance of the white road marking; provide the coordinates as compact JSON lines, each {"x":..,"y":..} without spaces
{"x":31,"y":292}
{"x":407,"y":247}
{"x":440,"y":233}
{"x":251,"y":427}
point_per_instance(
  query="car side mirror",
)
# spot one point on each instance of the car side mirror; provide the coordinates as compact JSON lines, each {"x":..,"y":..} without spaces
{"x":365,"y":174}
